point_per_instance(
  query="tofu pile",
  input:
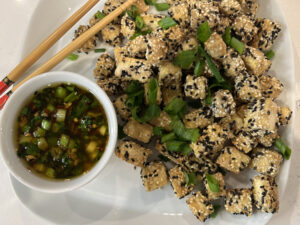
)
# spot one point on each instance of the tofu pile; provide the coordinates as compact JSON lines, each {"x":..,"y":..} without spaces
{"x":238,"y":129}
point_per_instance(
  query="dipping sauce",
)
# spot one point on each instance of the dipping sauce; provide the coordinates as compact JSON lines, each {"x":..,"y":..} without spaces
{"x":62,"y":131}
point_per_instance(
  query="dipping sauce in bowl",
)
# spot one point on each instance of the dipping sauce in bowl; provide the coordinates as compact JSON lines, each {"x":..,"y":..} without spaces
{"x":62,"y":131}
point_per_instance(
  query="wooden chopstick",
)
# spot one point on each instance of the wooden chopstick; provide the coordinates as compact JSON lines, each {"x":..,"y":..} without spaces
{"x":45,"y":45}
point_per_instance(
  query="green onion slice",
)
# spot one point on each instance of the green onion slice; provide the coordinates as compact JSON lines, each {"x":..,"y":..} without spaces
{"x":213,"y":183}
{"x":270,"y":54}
{"x":185,"y":59}
{"x":190,"y":178}
{"x":152,"y":91}
{"x":133,"y":12}
{"x":187,"y":134}
{"x":140,"y":24}
{"x":203,"y":32}
{"x":166,"y":23}
{"x":163,"y":158}
{"x":237,"y":45}
{"x":158,"y":131}
{"x":199,"y":68}
{"x":216,"y":209}
{"x":284,"y":149}
{"x":176,"y":107}
{"x":100,"y":50}
{"x":150,"y":2}
{"x":72,"y":57}
{"x":227,"y":35}
{"x":174,"y":145}
{"x":162,"y":6}
{"x":99,"y":15}
{"x":168,"y":137}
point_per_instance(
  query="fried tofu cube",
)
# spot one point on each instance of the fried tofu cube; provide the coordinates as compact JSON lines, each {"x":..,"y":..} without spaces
{"x":157,"y":50}
{"x":200,"y":206}
{"x":233,"y":160}
{"x":230,"y":7}
{"x":244,"y":141}
{"x":133,"y":69}
{"x":270,"y":86}
{"x":268,"y":139}
{"x":261,"y":117}
{"x":154,"y":175}
{"x":245,"y":28}
{"x":127,"y":26}
{"x":267,"y":34}
{"x":168,"y":72}
{"x":233,"y":63}
{"x":111,"y":34}
{"x":142,"y":6}
{"x":189,"y":43}
{"x":173,"y":36}
{"x":138,"y":131}
{"x":266,"y":161}
{"x":204,"y":12}
{"x":90,"y":44}
{"x":120,"y":104}
{"x":195,"y":87}
{"x":216,"y":195}
{"x":265,"y":194}
{"x":215,"y":46}
{"x":112,"y":85}
{"x":198,"y":118}
{"x":224,"y":23}
{"x":111,"y":5}
{"x":223,"y":104}
{"x":239,"y":201}
{"x":210,"y":142}
{"x":178,"y":182}
{"x":249,"y":7}
{"x":170,"y":91}
{"x":285,"y":115}
{"x":105,"y":66}
{"x":256,"y":61}
{"x":233,"y":124}
{"x":137,"y":47}
{"x":163,"y":121}
{"x":132,"y":153}
{"x":180,"y":13}
{"x":247,"y":87}
{"x":151,"y":20}
{"x":120,"y":53}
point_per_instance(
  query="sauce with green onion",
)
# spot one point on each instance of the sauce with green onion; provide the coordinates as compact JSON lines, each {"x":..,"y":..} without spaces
{"x":62,"y":131}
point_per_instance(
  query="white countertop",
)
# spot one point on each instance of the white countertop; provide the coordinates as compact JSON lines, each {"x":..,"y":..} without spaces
{"x":14,"y":19}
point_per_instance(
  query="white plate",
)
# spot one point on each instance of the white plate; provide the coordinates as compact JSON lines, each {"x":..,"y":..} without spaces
{"x":117,"y":195}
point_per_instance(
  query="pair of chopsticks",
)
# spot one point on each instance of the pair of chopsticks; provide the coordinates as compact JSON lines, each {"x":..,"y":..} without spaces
{"x":51,"y":40}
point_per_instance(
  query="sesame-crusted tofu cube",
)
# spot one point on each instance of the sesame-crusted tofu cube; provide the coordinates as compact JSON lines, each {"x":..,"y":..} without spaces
{"x":111,"y":34}
{"x":133,"y":153}
{"x":233,"y":160}
{"x":105,"y":66}
{"x":195,"y":87}
{"x":158,"y":95}
{"x":215,"y":46}
{"x":189,"y":43}
{"x":120,"y":53}
{"x":247,"y":87}
{"x":90,"y":44}
{"x":230,"y":7}
{"x":216,"y":195}
{"x":120,"y":104}
{"x":178,"y":182}
{"x":239,"y":201}
{"x":200,"y":206}
{"x":198,"y":118}
{"x":285,"y":115}
{"x":173,"y":36}
{"x":154,"y":175}
{"x":204,"y":12}
{"x":127,"y":26}
{"x":233,"y":124}
{"x":256,"y":61}
{"x":138,"y":131}
{"x":211,"y":140}
{"x":168,"y":72}
{"x":270,"y":86}
{"x":170,"y":91}
{"x":111,"y":5}
{"x":265,"y":194}
{"x":142,"y":6}
{"x":266,"y":161}
{"x":163,"y":121}
{"x":137,"y":47}
{"x":157,"y":50}
{"x":180,"y":13}
{"x":249,"y":7}
{"x":224,"y":23}
{"x":267,"y":140}
{"x":133,"y":69}
{"x":244,"y":27}
{"x":261,"y":117}
{"x":267,"y":34}
{"x":112,"y":85}
{"x":233,"y":63}
{"x":223,"y":104}
{"x":244,"y":141}
{"x":151,"y":20}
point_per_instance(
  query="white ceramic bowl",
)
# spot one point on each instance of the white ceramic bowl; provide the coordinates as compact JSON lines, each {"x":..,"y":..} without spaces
{"x":7,"y":132}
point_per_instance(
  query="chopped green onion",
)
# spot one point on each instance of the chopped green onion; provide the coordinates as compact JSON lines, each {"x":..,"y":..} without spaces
{"x":133,"y":11}
{"x":213,"y":183}
{"x":237,"y":45}
{"x":186,"y":149}
{"x":64,"y":141}
{"x":166,"y":23}
{"x":168,"y":137}
{"x":139,"y":33}
{"x":190,"y":178}
{"x":199,"y":68}
{"x":270,"y":54}
{"x":39,"y":132}
{"x":227,"y":35}
{"x":99,"y":15}
{"x":50,"y":173}
{"x":158,"y":131}
{"x":163,"y":158}
{"x":71,"y":97}
{"x":150,"y":2}
{"x":162,"y":6}
{"x":187,"y":134}
{"x":25,"y":111}
{"x":121,"y":133}
{"x":133,"y":87}
{"x":51,"y":107}
{"x":152,"y":90}
{"x":100,"y":50}
{"x":151,"y":112}
{"x":46,"y":125}
{"x":203,"y":32}
{"x":60,"y":92}
{"x":31,"y":149}
{"x":140,"y":24}
{"x":72,"y":144}
{"x":284,"y":149}
{"x":82,"y":107}
{"x":176,"y":107}
{"x":211,"y":65}
{"x":25,"y":139}
{"x":185,"y":59}
{"x":61,"y":115}
{"x":174,"y":146}
{"x":42,"y":144}
{"x":216,"y":209}
{"x":26,"y":128}
{"x":72,"y":57}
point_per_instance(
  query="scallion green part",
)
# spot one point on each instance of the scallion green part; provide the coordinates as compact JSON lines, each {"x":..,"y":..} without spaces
{"x":174,"y":145}
{"x":237,"y":45}
{"x":203,"y":32}
{"x":227,"y":35}
{"x":216,"y":209}
{"x":185,"y":59}
{"x":199,"y":68}
{"x":163,"y":158}
{"x":167,"y":22}
{"x":158,"y":131}
{"x":150,"y":2}
{"x":168,"y":137}
{"x":187,"y":134}
{"x":139,"y":22}
{"x":176,"y":107}
{"x":284,"y":149}
{"x":190,"y":178}
{"x":213,"y":183}
{"x":270,"y":54}
{"x":162,"y":6}
{"x":99,"y":15}
{"x":100,"y":50}
{"x":72,"y":57}
{"x":121,"y":133}
{"x":152,"y":90}
{"x":133,"y":12}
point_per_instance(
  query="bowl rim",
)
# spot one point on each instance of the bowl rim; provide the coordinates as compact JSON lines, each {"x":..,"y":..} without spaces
{"x":42,"y":81}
